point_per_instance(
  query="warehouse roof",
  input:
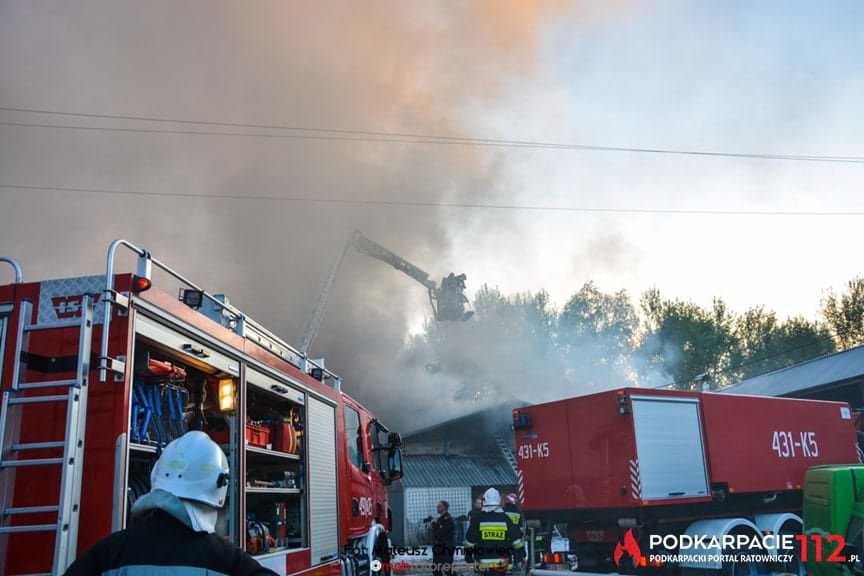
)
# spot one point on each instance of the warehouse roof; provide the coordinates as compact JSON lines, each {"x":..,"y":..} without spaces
{"x":823,"y":371}
{"x":452,"y":470}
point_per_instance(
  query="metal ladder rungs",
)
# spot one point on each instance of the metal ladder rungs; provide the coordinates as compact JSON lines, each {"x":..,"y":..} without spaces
{"x":30,"y":462}
{"x":37,"y":445}
{"x":31,"y":528}
{"x":65,"y":527}
{"x":49,"y":384}
{"x":39,"y":399}
{"x":30,"y":510}
{"x":74,"y":323}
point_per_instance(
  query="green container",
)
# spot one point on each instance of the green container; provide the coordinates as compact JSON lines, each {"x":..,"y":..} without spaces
{"x":834,"y":504}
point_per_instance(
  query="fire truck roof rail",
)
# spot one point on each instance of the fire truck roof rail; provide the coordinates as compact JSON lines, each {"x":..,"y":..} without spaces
{"x":145,"y":263}
{"x":19,"y":276}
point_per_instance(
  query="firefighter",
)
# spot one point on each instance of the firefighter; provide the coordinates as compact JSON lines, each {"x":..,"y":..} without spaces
{"x":173,"y":526}
{"x":514,"y":513}
{"x":492,"y":537}
{"x":476,"y":508}
{"x":443,"y":532}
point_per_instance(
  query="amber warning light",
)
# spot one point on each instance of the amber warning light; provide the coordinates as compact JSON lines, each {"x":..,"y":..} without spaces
{"x":140,"y":284}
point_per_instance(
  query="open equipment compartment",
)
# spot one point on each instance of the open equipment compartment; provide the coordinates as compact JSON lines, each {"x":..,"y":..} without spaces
{"x":275,"y":456}
{"x":178,"y":387}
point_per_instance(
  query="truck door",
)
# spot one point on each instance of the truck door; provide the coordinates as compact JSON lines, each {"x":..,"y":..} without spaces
{"x":359,"y":470}
{"x":669,"y":447}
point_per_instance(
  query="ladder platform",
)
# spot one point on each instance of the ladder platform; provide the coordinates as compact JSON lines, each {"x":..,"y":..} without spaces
{"x":39,"y":399}
{"x":37,"y":445}
{"x":48,"y":384}
{"x":30,"y":462}
{"x":30,"y":510}
{"x":25,"y":528}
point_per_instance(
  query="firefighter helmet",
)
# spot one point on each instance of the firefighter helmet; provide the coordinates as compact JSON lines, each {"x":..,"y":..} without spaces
{"x":491,"y":498}
{"x":193,"y":467}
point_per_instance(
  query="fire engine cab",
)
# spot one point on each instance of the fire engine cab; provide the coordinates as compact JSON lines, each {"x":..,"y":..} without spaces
{"x":99,"y":373}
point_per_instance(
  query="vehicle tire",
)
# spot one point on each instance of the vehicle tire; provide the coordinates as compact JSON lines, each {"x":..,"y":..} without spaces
{"x":381,"y":552}
{"x":736,"y":568}
{"x":795,"y":566}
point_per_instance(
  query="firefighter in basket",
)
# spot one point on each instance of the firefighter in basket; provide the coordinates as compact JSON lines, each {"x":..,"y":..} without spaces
{"x":492,"y":538}
{"x":172,"y":529}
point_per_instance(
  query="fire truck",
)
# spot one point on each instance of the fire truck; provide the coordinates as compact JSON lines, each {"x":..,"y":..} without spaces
{"x":600,"y":474}
{"x":100,"y":372}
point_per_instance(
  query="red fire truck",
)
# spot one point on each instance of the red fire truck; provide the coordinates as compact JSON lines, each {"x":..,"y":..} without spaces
{"x":100,"y":372}
{"x":608,"y":470}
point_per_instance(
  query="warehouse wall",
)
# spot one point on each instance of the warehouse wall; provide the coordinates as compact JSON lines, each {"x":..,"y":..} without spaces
{"x":420,"y":503}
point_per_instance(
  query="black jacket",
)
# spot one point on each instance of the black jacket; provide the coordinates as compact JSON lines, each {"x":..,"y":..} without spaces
{"x":444,"y":530}
{"x":159,"y":542}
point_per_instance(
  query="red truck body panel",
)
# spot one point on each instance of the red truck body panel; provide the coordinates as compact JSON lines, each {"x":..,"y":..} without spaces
{"x":641,"y":447}
{"x":764,"y":444}
{"x":108,"y":425}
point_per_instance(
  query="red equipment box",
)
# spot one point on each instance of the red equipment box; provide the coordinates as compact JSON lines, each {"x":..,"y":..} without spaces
{"x":258,"y":435}
{"x":643,"y":447}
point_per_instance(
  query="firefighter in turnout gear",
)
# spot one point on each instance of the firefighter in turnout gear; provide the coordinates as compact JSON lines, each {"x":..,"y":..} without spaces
{"x":173,"y":526}
{"x":514,"y":513}
{"x":492,"y":537}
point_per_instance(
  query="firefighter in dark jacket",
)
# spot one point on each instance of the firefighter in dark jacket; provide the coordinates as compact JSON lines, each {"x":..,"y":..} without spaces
{"x":173,"y":525}
{"x":511,"y":508}
{"x":492,"y":537}
{"x":476,"y":508}
{"x":443,"y":532}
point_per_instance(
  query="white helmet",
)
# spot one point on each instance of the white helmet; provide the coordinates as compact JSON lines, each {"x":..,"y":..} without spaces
{"x":193,"y":467}
{"x":491,"y":498}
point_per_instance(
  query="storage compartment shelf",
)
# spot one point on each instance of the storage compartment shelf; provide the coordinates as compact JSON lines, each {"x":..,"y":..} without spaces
{"x":265,"y":454}
{"x":142,"y":447}
{"x":263,"y":490}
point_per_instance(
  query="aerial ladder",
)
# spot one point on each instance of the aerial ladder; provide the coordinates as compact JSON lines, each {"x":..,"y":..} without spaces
{"x":448,"y":301}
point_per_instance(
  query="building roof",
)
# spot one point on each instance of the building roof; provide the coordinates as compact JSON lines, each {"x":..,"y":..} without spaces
{"x":813,"y":374}
{"x":441,"y":471}
{"x":502,"y":413}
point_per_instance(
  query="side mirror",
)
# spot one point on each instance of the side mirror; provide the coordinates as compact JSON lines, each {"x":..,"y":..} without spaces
{"x":394,"y":439}
{"x":394,"y":465}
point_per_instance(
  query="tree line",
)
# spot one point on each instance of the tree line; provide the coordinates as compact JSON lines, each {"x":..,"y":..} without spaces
{"x":603,"y":339}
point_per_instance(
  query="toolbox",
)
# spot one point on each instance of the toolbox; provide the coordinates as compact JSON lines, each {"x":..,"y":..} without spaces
{"x":257,"y":435}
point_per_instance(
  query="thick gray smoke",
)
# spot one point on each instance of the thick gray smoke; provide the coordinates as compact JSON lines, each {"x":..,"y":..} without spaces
{"x":400,"y":66}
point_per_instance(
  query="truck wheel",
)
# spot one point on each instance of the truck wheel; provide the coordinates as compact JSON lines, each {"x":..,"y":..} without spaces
{"x":737,"y":568}
{"x":794,"y":566}
{"x":381,"y":552}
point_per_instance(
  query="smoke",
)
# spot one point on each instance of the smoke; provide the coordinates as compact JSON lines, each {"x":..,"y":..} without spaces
{"x":518,"y":349}
{"x":401,"y":66}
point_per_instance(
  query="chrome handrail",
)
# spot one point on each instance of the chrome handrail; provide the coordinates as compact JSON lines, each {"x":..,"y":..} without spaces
{"x":145,"y":260}
{"x":19,"y":275}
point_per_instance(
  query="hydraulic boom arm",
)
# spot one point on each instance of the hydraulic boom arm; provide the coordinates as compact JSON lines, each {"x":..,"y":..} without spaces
{"x":448,"y":301}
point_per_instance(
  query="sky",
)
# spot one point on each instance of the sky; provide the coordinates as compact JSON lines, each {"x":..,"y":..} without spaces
{"x":766,"y":77}
{"x":731,"y":76}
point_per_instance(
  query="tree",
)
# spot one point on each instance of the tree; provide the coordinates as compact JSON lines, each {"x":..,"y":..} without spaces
{"x":766,"y":344}
{"x":596,"y":334}
{"x":507,"y":347}
{"x":845,"y":313}
{"x":690,"y":343}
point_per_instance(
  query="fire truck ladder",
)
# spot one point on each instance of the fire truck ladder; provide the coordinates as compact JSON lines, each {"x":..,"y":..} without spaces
{"x":71,"y":463}
{"x":506,"y":452}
